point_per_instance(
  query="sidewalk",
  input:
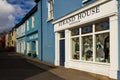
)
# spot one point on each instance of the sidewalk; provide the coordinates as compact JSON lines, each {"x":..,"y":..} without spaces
{"x":61,"y":72}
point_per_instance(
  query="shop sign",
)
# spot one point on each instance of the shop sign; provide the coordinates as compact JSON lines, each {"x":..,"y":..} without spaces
{"x":78,"y":17}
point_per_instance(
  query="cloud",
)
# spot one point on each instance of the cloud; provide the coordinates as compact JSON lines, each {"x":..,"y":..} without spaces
{"x":12,"y":11}
{"x":6,"y":15}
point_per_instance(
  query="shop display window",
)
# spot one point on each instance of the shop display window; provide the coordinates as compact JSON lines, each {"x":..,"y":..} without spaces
{"x":87,"y":48}
{"x":75,"y":32}
{"x":87,"y":29}
{"x":102,"y":47}
{"x":102,"y":26}
{"x":75,"y":48}
{"x":91,"y":43}
{"x":75,"y":43}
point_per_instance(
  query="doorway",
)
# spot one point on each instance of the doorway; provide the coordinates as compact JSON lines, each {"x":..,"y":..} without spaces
{"x":62,"y":52}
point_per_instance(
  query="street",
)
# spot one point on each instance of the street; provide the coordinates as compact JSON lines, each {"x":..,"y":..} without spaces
{"x":14,"y":66}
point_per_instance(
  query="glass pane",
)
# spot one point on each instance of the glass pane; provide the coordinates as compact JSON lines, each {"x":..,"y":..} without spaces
{"x":75,"y":32}
{"x":62,"y":34}
{"x":102,"y":26}
{"x":102,"y":47}
{"x":75,"y":48}
{"x":87,"y":48}
{"x":87,"y":29}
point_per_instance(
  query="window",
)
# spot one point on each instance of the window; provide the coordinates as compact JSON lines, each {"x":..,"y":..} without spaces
{"x":75,"y":42}
{"x":27,"y":25}
{"x":102,"y":26}
{"x":91,"y":43}
{"x":87,"y":48}
{"x":33,"y":21}
{"x":87,"y":29}
{"x":102,"y":42}
{"x":22,"y":29}
{"x":50,"y":9}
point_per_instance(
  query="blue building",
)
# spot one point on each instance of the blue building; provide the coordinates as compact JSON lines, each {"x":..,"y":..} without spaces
{"x":80,"y":34}
{"x":20,"y":38}
{"x":47,"y":13}
{"x":27,"y":33}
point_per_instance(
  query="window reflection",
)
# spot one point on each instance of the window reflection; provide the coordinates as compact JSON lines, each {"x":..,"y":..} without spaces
{"x":75,"y":32}
{"x":87,"y":29}
{"x":75,"y":48}
{"x":102,"y":26}
{"x":87,"y":50}
{"x":102,"y":47}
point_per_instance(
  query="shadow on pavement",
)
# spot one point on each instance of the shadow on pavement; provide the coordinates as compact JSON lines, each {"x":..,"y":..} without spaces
{"x":14,"y":67}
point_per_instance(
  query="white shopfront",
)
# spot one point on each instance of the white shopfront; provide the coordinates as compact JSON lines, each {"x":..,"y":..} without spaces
{"x":88,"y":39}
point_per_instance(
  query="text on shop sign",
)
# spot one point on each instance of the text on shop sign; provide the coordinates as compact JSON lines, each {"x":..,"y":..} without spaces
{"x":77,"y":18}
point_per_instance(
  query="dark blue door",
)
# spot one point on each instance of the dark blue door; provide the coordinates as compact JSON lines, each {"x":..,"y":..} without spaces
{"x":62,"y":52}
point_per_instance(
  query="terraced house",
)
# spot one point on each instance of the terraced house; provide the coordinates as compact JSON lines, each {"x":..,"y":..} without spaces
{"x":27,"y":33}
{"x":10,"y":39}
{"x":86,"y":34}
{"x":79,"y":34}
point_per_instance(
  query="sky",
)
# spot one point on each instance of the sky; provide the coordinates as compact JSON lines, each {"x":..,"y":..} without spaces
{"x":12,"y":11}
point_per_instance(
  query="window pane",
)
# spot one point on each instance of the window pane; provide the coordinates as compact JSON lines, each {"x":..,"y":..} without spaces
{"x":102,"y":47}
{"x":75,"y":48}
{"x":102,"y":26}
{"x":87,"y":48}
{"x":87,"y":29}
{"x":62,"y":34}
{"x":75,"y":32}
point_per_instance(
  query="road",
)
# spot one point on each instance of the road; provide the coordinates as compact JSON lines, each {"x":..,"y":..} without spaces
{"x":14,"y":66}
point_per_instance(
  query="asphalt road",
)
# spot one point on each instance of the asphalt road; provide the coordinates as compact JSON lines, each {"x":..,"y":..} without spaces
{"x":13,"y":66}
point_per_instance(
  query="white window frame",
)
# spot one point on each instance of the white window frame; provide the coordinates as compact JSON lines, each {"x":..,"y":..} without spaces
{"x":33,"y":21}
{"x":93,"y":34}
{"x":27,"y":25}
{"x":50,"y":10}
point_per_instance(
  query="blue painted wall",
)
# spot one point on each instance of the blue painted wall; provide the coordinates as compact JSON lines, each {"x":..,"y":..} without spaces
{"x":31,"y":31}
{"x":39,"y":31}
{"x":46,"y":35}
{"x":63,"y":7}
{"x":46,"y":30}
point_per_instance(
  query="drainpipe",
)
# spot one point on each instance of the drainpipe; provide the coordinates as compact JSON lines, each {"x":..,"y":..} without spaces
{"x":41,"y":33}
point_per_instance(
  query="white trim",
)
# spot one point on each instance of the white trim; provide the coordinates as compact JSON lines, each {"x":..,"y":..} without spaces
{"x":103,"y":12}
{"x":37,"y":47}
{"x":33,"y":21}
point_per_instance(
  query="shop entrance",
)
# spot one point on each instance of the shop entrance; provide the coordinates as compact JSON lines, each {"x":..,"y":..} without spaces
{"x":62,"y":52}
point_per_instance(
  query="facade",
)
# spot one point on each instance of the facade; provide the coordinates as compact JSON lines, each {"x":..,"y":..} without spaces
{"x":32,"y":32}
{"x":84,"y":35}
{"x":11,"y":38}
{"x":7,"y":40}
{"x":87,"y":38}
{"x":20,"y":38}
{"x":48,"y":13}
{"x":27,"y":33}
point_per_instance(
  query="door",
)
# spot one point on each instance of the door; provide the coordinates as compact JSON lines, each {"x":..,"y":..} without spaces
{"x":62,"y":52}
